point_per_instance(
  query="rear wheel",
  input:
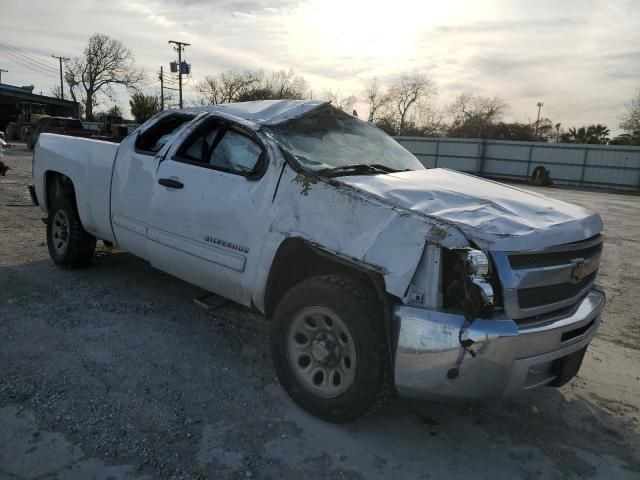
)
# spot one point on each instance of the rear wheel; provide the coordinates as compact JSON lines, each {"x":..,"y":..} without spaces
{"x":69,"y":243}
{"x":328,"y":347}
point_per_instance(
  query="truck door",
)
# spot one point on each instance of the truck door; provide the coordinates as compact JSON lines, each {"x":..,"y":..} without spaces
{"x":133,"y":178}
{"x":209,"y":204}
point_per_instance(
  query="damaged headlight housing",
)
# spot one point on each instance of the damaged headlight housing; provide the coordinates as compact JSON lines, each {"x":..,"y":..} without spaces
{"x":477,"y":262}
{"x":478,"y":268}
{"x":467,"y":281}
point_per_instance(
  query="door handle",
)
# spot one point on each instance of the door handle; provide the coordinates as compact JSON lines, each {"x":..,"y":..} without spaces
{"x":169,"y":182}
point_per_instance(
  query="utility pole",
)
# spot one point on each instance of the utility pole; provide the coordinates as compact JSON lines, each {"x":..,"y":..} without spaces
{"x":179,"y":46}
{"x":161,"y":90}
{"x":539,"y":105}
{"x":2,"y":70}
{"x":61,"y":59}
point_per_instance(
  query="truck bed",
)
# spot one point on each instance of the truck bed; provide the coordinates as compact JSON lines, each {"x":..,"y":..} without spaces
{"x":88,"y":163}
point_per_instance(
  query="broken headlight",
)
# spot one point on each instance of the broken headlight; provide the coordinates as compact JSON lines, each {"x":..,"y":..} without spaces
{"x":467,"y":281}
{"x":477,"y":262}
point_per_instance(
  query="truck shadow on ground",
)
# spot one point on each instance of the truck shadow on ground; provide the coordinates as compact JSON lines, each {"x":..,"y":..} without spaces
{"x":118,"y":359}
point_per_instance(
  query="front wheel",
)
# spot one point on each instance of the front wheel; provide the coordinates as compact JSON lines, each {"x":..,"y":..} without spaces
{"x":328,"y":348}
{"x":69,"y":243}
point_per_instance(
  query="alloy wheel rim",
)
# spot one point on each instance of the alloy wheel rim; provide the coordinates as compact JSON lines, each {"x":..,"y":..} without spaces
{"x":321,"y":352}
{"x":60,"y":232}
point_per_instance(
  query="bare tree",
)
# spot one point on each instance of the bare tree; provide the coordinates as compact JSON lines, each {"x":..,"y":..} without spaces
{"x":106,"y":62}
{"x":377,"y":99}
{"x":286,"y":85}
{"x":56,"y":92}
{"x":209,"y":90}
{"x":233,"y":86}
{"x":545,"y":129}
{"x":346,"y":103}
{"x":403,"y":95}
{"x":630,"y":121}
{"x":225,"y":87}
{"x":472,"y":115}
{"x":427,"y":120}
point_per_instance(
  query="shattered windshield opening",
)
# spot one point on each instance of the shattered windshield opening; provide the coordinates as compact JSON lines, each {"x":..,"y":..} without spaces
{"x":331,"y":139}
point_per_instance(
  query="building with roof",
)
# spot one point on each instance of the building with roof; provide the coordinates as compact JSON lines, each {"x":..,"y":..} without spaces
{"x":13,"y":101}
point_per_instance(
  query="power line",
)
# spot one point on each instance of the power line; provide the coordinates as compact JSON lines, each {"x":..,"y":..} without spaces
{"x":169,"y":80}
{"x":34,"y":71}
{"x":61,"y":59}
{"x":32,"y":61}
{"x":36,"y":57}
{"x":179,"y":46}
{"x":151,"y":78}
{"x":18,"y":61}
{"x":30,"y":57}
{"x":28,"y":61}
{"x":10,"y":57}
{"x":27,"y":58}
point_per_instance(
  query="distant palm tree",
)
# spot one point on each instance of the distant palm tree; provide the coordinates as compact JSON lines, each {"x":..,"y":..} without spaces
{"x":598,"y":134}
{"x":593,"y":134}
{"x":574,"y":135}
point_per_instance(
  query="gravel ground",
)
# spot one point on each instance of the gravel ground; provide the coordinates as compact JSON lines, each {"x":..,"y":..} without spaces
{"x":113,"y":372}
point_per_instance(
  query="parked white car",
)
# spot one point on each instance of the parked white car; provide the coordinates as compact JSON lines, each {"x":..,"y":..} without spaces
{"x":373,"y":269}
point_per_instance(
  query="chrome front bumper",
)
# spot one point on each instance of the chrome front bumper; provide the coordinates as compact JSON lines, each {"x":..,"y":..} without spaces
{"x":509,"y":357}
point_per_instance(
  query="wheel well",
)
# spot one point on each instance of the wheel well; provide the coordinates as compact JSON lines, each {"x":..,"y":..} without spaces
{"x":57,"y":185}
{"x":297,"y":260}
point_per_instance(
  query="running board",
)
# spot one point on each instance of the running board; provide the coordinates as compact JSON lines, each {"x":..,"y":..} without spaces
{"x":210,"y":302}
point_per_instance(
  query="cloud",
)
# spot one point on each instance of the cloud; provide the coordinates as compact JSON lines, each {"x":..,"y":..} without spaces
{"x":246,"y":6}
{"x":579,"y":57}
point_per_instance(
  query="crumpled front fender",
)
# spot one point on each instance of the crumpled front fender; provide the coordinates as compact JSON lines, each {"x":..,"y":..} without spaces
{"x":356,"y":226}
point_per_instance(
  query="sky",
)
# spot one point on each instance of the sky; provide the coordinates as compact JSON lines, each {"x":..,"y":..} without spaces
{"x":581,"y":58}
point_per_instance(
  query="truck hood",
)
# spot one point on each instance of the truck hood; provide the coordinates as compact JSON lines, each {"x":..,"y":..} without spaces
{"x":492,"y":215}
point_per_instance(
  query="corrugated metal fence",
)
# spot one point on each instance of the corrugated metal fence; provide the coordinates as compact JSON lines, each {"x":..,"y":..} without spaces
{"x":604,"y":166}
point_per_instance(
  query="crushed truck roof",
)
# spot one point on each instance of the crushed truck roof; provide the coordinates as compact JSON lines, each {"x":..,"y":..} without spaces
{"x":262,"y":112}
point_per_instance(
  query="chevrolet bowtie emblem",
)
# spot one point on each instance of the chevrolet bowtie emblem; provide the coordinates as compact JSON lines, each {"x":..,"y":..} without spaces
{"x":579,"y":270}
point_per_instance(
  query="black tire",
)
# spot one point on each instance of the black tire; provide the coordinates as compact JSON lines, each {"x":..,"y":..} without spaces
{"x":78,"y":246}
{"x":362,"y":313}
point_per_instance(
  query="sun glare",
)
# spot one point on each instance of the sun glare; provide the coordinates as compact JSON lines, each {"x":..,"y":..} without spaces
{"x":367,"y":29}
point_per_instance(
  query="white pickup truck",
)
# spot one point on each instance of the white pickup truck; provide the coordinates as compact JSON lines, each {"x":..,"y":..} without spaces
{"x":374,"y":270}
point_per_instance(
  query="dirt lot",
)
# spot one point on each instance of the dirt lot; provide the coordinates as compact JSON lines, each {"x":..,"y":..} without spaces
{"x":113,"y":372}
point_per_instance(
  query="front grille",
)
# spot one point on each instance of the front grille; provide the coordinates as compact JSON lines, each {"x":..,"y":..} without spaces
{"x":549,"y":294}
{"x":537,"y":284}
{"x":538,"y":260}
